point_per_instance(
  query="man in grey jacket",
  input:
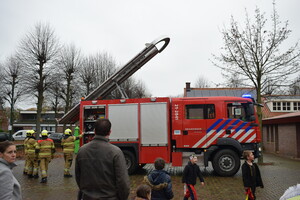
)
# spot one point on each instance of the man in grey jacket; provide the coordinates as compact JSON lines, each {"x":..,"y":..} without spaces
{"x":100,"y":167}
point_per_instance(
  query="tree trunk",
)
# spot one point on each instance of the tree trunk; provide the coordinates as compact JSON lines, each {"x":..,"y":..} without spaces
{"x":39,"y":113}
{"x":40,"y":97}
{"x":12,"y":102}
{"x":56,"y":113}
{"x":259,"y":113}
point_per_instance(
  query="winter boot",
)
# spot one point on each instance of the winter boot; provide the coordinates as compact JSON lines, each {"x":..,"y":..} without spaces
{"x":44,"y":180}
{"x":67,"y":175}
{"x":36,"y":176}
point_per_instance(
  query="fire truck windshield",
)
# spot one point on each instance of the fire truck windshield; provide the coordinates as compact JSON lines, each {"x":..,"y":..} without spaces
{"x":242,"y":111}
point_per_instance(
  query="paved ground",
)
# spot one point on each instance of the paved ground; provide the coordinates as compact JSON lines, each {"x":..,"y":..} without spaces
{"x":277,"y":178}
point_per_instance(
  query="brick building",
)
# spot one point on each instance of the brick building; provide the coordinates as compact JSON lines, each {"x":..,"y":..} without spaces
{"x":282,"y":135}
{"x":276,"y":105}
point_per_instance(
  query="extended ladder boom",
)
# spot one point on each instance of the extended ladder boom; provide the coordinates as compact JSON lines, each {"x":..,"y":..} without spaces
{"x":119,"y":77}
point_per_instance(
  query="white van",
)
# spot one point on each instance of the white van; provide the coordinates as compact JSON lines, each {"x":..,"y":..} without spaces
{"x":20,"y":135}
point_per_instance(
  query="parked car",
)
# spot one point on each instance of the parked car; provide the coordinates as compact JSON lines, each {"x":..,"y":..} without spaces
{"x":4,"y":136}
{"x":20,"y":135}
{"x":56,"y":137}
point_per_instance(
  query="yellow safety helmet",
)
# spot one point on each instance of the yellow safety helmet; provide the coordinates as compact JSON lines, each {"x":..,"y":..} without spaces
{"x":28,"y":133}
{"x":44,"y":133}
{"x":32,"y":132}
{"x":68,"y":131}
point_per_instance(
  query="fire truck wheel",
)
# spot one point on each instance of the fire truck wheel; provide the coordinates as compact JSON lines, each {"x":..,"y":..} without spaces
{"x":130,"y":161}
{"x":226,"y":162}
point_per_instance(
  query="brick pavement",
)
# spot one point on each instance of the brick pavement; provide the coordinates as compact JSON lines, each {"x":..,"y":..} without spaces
{"x":277,"y":178}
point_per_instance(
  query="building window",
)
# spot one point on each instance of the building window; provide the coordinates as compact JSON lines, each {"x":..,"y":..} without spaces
{"x":277,"y":106}
{"x":286,"y":106}
{"x":296,"y":106}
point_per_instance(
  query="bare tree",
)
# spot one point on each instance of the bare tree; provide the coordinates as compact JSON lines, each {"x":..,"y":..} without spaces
{"x":12,"y":89}
{"x":140,"y":90}
{"x":202,"y":82}
{"x":105,"y":66}
{"x":234,"y":81}
{"x":295,"y":87}
{"x":95,"y":70}
{"x":86,"y":74}
{"x":254,"y":53}
{"x":54,"y":94}
{"x":69,"y":62}
{"x":1,"y":84}
{"x":38,"y":51}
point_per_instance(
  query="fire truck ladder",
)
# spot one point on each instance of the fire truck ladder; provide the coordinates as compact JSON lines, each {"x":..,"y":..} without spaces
{"x":119,"y":77}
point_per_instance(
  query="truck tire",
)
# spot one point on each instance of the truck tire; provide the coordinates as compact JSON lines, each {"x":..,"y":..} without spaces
{"x":226,"y":162}
{"x":131,"y":162}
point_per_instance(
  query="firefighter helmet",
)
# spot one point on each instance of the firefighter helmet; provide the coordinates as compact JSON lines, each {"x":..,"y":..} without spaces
{"x":28,"y":133}
{"x":44,"y":133}
{"x":32,"y":132}
{"x":68,"y":131}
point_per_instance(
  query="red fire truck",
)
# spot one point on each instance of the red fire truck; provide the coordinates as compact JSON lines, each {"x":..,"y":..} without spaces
{"x":219,"y":128}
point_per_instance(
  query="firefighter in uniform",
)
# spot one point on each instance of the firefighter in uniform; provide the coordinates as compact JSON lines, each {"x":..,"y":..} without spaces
{"x":32,"y":157}
{"x":28,"y":133}
{"x":68,"y":146}
{"x":45,"y":149}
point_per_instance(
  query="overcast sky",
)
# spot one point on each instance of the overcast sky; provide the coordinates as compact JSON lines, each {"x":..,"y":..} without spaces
{"x":122,"y":27}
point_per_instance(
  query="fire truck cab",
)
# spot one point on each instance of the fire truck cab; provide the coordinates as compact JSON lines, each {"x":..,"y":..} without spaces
{"x":220,"y":128}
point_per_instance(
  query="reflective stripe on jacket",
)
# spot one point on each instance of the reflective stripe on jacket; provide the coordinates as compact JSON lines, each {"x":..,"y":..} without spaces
{"x":31,"y":144}
{"x":25,"y":145}
{"x":46,"y":147}
{"x":68,"y":144}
